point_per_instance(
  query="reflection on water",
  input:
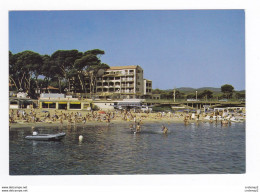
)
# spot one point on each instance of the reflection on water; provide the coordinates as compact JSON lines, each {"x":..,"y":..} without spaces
{"x":203,"y":148}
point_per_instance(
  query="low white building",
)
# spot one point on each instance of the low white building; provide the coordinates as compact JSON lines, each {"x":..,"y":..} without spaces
{"x":52,"y":95}
{"x":104,"y":105}
{"x":22,"y":95}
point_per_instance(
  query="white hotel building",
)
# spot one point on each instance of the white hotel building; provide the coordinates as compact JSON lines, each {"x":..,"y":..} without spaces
{"x":125,"y":81}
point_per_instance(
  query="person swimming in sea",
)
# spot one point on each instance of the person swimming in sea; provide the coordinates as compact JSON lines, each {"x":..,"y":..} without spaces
{"x":138,"y":128}
{"x":164,"y":129}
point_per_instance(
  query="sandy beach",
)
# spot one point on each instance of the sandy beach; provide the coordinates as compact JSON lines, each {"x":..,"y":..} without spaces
{"x":52,"y":117}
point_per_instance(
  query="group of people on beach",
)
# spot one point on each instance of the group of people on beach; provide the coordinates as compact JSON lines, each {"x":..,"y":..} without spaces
{"x":75,"y":117}
{"x":58,"y":116}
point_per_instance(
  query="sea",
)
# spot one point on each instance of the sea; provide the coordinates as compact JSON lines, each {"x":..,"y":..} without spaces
{"x":114,"y":149}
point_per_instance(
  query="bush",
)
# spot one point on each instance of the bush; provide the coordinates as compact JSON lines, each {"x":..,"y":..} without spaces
{"x":161,"y":109}
{"x":94,"y":107}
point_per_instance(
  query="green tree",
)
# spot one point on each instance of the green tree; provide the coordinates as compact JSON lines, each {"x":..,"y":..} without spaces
{"x":64,"y":61}
{"x":49,"y":70}
{"x":179,"y":95}
{"x":191,"y":96}
{"x":156,"y":91}
{"x":96,"y":52}
{"x":13,"y":71}
{"x":166,"y":94}
{"x":240,"y":95}
{"x":207,"y":94}
{"x":23,"y":67}
{"x":82,"y":67}
{"x":88,"y":66}
{"x":227,"y":90}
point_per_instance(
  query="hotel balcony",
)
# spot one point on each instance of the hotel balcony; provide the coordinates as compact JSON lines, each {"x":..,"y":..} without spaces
{"x":127,"y":79}
{"x":127,"y":74}
{"x":128,"y":92}
{"x":127,"y":86}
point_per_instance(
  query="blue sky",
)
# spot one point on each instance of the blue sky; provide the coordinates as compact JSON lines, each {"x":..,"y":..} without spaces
{"x":188,"y":48}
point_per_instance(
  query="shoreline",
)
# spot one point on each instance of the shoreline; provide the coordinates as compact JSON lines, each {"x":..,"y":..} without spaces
{"x":57,"y":118}
{"x":93,"y":123}
{"x":113,"y":122}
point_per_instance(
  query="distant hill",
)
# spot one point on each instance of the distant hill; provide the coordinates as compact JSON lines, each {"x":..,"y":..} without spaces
{"x":186,"y":89}
{"x":211,"y":88}
{"x":189,"y":89}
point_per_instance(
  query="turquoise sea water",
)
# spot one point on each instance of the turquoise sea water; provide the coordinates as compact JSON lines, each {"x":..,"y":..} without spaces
{"x":105,"y":150}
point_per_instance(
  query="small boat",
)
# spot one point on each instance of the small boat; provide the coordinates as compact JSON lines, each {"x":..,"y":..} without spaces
{"x":46,"y":137}
{"x":234,"y":119}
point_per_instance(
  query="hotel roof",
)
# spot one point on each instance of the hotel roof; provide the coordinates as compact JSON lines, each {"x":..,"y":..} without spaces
{"x":123,"y":67}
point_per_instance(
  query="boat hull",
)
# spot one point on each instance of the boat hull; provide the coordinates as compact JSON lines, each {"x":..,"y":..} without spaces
{"x":46,"y":137}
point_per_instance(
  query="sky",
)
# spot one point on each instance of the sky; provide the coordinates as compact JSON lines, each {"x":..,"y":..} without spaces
{"x":175,"y":48}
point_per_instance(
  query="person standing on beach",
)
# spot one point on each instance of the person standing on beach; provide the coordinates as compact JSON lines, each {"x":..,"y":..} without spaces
{"x":17,"y":115}
{"x":84,"y":120}
{"x":61,"y":121}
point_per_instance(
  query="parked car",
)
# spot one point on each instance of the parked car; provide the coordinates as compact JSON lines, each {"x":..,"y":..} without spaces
{"x":146,"y":108}
{"x":118,"y":107}
{"x":192,"y":99}
{"x":223,"y":100}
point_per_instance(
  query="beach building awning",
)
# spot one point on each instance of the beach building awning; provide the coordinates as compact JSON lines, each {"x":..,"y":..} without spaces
{"x":51,"y":88}
{"x":75,"y":103}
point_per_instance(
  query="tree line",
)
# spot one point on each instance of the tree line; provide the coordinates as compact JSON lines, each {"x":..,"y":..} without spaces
{"x":30,"y":71}
{"x":72,"y":70}
{"x":227,"y":92}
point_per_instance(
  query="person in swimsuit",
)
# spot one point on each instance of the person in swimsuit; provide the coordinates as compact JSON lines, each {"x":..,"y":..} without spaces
{"x":164,"y":129}
{"x":138,"y":128}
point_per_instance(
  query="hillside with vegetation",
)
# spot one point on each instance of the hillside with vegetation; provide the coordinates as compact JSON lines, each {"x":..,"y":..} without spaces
{"x":205,"y":93}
